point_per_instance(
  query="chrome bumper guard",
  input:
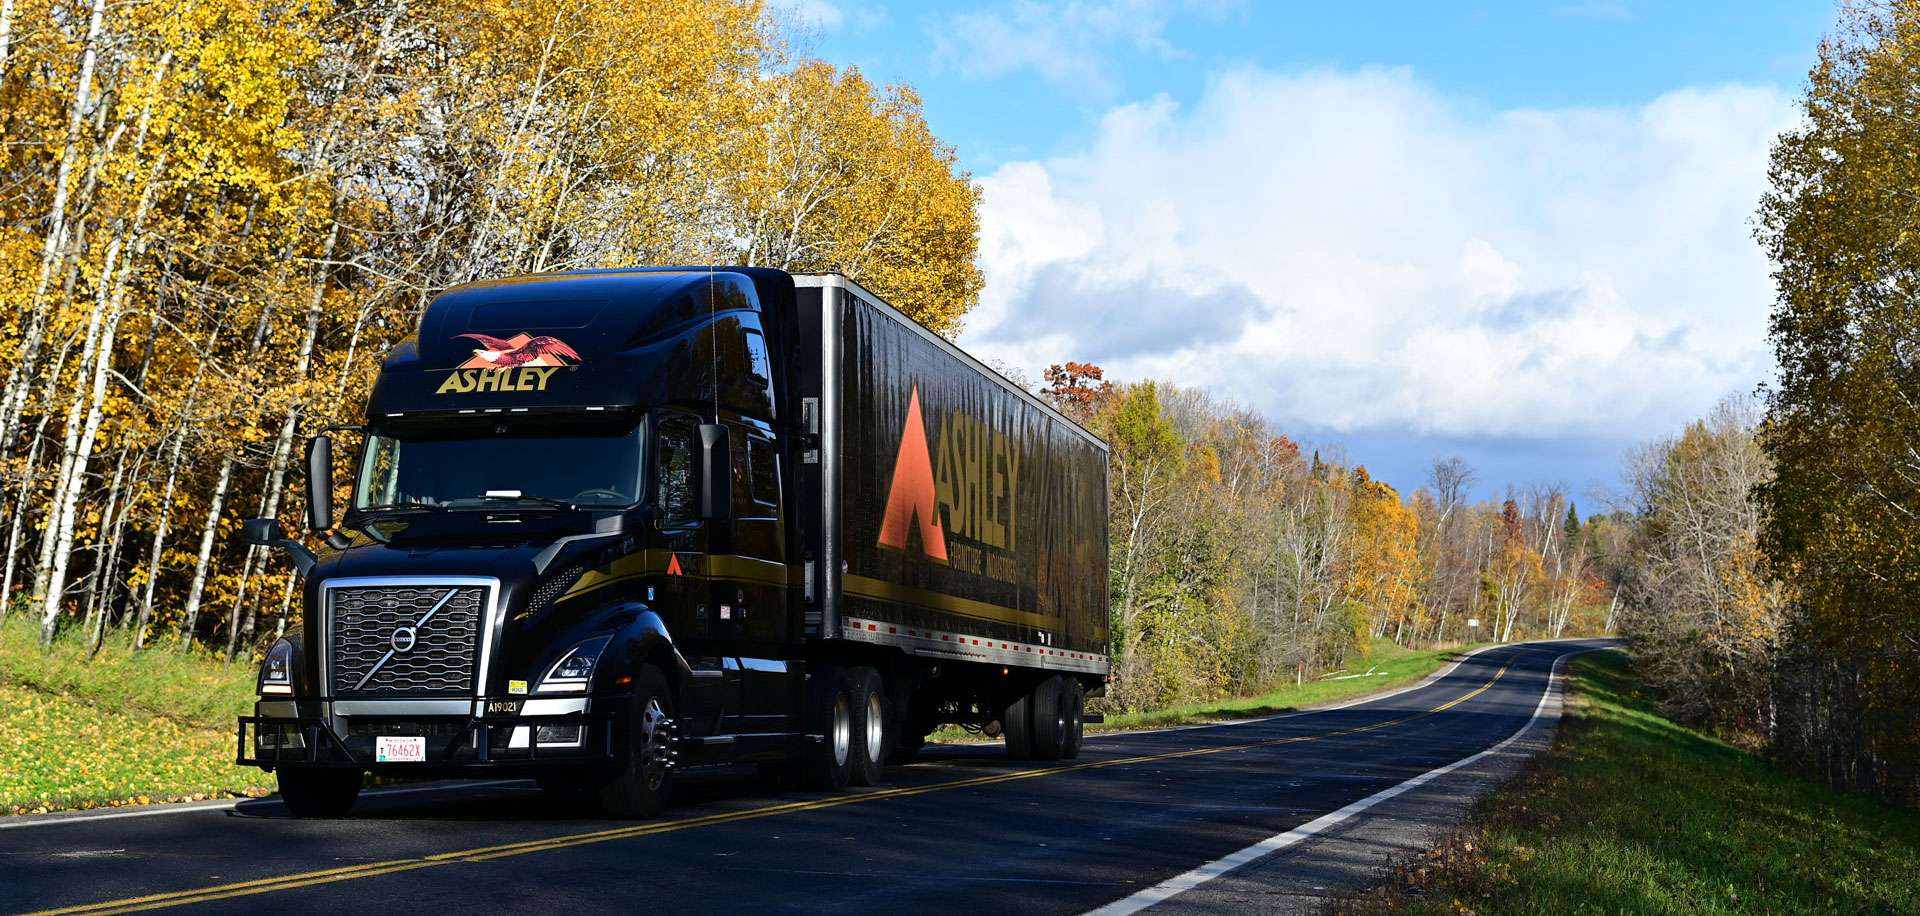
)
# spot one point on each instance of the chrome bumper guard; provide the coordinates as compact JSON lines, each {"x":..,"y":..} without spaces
{"x":481,"y":742}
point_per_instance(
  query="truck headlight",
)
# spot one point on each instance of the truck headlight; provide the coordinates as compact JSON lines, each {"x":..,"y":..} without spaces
{"x":574,"y":671}
{"x":276,"y":673}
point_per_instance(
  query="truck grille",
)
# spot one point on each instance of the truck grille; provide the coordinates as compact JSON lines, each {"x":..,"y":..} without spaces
{"x":373,"y":657}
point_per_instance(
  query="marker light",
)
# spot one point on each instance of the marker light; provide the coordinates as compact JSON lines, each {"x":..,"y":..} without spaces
{"x":574,"y":670}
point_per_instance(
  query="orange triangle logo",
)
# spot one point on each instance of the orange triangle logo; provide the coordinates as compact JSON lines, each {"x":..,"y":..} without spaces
{"x":912,"y":497}
{"x":673,"y":565}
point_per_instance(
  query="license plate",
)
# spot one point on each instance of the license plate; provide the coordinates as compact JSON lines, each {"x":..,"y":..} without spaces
{"x":399,"y":749}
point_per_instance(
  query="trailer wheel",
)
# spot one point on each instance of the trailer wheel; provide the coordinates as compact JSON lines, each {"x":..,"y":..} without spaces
{"x":873,"y":728}
{"x":1077,"y":720}
{"x":827,"y":764}
{"x":645,"y":784}
{"x":1017,"y":723}
{"x":318,"y":792}
{"x":1052,"y":710}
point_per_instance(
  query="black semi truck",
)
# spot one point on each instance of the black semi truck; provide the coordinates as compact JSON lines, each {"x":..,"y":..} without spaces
{"x":608,"y":525}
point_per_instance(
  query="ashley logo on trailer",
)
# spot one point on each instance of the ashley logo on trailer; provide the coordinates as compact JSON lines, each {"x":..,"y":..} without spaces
{"x":969,"y":492}
{"x":912,"y":498}
{"x":522,"y":362}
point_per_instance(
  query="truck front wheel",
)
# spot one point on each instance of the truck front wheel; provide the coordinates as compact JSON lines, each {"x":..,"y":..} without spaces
{"x":645,"y":784}
{"x":317,"y":792}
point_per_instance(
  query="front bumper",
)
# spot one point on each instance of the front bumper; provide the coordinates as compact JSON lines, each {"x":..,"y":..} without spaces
{"x":487,"y":736}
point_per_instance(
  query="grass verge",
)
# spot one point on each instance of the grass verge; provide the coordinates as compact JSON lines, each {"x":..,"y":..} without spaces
{"x":1631,"y":813}
{"x":1387,"y":667}
{"x":117,"y":729}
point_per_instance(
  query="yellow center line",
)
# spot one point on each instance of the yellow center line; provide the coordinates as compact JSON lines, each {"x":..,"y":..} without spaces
{"x":484,"y":853}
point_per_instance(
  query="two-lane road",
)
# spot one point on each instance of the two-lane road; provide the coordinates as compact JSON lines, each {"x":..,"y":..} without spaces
{"x":1136,"y":820}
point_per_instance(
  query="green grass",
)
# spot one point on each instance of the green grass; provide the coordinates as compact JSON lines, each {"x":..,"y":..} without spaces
{"x":1631,"y":813}
{"x":1386,"y":667}
{"x":118,"y":729}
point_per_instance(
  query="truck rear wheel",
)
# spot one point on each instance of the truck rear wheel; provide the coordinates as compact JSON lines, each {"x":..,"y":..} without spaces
{"x":645,"y":784}
{"x":1017,"y":723}
{"x":1076,"y":720}
{"x":317,"y":792}
{"x":873,"y":727}
{"x":827,"y":764}
{"x":1052,"y":710}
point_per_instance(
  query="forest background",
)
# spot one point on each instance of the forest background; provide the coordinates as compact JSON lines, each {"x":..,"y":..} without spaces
{"x":217,"y":216}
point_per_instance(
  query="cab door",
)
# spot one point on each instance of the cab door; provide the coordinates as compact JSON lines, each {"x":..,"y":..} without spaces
{"x":683,"y":571}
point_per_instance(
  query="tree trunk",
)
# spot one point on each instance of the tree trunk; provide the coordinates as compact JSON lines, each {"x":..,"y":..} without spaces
{"x":197,"y":590}
{"x":13,"y":396}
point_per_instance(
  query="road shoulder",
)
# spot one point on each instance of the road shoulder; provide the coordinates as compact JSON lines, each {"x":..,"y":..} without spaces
{"x":1353,"y":854}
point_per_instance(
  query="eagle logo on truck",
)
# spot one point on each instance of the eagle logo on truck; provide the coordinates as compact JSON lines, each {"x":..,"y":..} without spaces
{"x":522,"y":362}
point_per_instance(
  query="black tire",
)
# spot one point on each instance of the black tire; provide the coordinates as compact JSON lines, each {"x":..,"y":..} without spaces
{"x":1052,"y":708}
{"x":826,"y":765}
{"x":319,"y":792}
{"x":873,"y":728}
{"x":1017,"y":723}
{"x":1077,"y":720}
{"x":644,"y":786}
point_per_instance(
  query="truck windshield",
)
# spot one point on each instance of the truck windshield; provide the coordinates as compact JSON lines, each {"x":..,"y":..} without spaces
{"x":469,"y":468}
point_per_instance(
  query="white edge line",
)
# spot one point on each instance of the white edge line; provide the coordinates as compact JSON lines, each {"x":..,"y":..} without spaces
{"x":1103,"y":737}
{"x":14,"y":822}
{"x":1178,"y":884}
{"x":1427,"y":681}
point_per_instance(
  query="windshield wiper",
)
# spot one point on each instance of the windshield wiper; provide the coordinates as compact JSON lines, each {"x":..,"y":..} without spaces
{"x":411,"y":506}
{"x":547,"y":501}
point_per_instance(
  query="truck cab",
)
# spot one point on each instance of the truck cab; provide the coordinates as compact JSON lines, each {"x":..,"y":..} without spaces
{"x":584,"y":544}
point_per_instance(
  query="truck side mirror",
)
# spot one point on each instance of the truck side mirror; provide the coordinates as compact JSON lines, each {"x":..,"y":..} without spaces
{"x":320,"y":482}
{"x":716,"y":473}
{"x":265,"y":532}
{"x":261,"y":532}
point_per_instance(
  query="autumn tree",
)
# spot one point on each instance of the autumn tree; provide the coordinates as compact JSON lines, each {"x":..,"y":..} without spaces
{"x":1701,"y":612}
{"x":217,"y":217}
{"x":1842,"y":520}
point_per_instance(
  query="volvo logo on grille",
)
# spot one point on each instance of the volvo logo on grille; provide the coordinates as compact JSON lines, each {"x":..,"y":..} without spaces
{"x":403,"y":639}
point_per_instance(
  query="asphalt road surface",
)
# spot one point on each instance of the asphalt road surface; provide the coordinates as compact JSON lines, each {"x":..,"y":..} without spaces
{"x":1266,"y":815}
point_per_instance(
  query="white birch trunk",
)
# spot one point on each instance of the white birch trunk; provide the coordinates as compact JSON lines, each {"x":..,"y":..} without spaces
{"x":196,"y":591}
{"x":20,"y":376}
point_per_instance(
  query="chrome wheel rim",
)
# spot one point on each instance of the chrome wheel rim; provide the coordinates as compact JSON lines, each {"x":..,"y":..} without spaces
{"x":876,"y":726}
{"x":842,"y":729}
{"x":655,"y":750}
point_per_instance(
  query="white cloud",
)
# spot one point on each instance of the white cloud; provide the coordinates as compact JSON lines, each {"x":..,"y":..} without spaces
{"x":813,"y":15}
{"x":1354,"y":251}
{"x":1067,"y":44}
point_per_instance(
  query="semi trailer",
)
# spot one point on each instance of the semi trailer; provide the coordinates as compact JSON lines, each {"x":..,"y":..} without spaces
{"x":609,"y":525}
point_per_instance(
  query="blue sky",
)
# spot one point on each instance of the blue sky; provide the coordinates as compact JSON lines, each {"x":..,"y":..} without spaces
{"x":1515,"y":232}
